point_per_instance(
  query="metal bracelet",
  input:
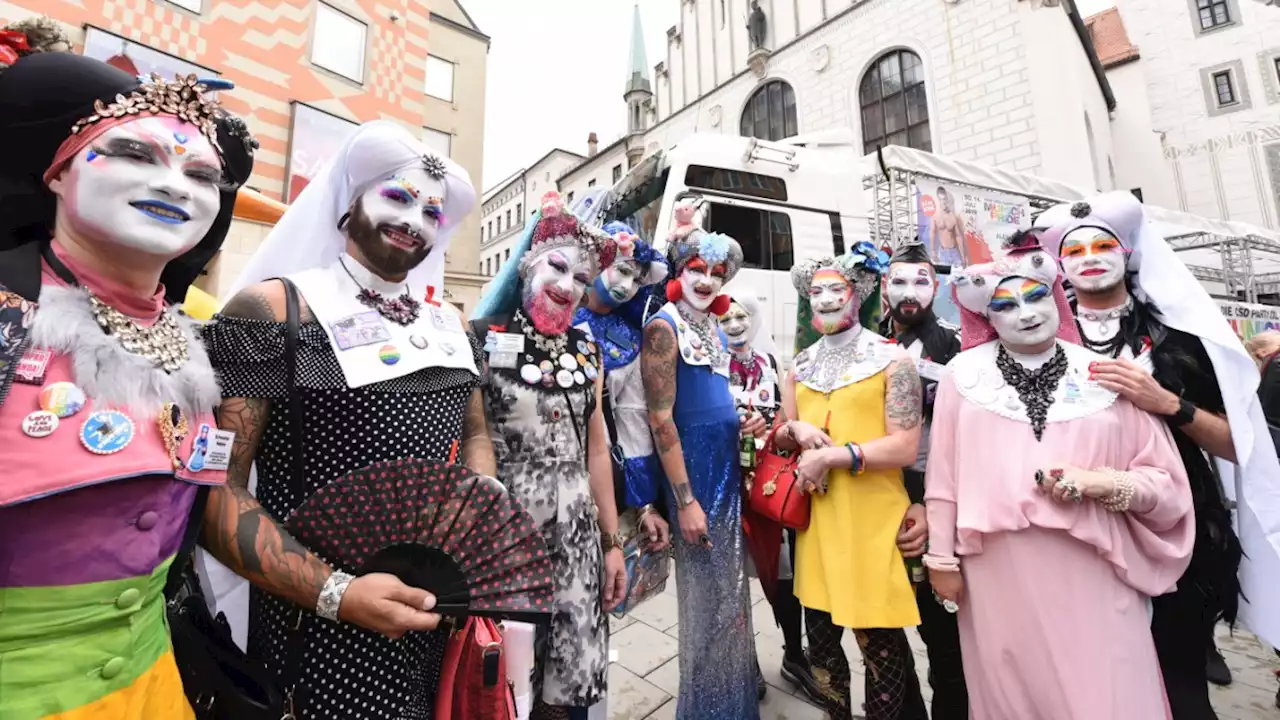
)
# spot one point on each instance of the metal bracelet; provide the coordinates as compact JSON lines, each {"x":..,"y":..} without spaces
{"x":331,"y":595}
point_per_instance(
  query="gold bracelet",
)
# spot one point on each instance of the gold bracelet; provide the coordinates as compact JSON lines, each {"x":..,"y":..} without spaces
{"x":1121,"y":495}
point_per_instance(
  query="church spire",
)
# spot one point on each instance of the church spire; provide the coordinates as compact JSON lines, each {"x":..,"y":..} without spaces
{"x":638,"y":71}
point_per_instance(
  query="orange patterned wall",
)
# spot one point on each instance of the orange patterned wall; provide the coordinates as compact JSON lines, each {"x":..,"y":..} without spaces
{"x":264,"y":48}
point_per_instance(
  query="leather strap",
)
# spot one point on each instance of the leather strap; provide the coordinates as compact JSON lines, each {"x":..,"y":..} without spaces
{"x":294,"y":645}
{"x":177,"y":571}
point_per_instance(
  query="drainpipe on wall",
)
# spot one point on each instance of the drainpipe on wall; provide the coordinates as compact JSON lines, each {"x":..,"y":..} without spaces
{"x":1086,"y":41}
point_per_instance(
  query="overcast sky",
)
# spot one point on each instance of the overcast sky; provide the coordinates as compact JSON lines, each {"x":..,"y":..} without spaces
{"x":557,"y":69}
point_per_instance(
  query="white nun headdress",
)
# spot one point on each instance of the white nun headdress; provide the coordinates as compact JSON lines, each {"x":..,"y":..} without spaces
{"x":308,"y":235}
{"x":1182,"y":303}
{"x":761,"y":339}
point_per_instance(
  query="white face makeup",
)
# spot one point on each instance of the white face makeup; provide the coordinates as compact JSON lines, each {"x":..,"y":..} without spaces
{"x":701,"y":285}
{"x":405,"y":209}
{"x":831,"y":298}
{"x":737,"y":326}
{"x":1023,"y":313}
{"x":151,"y":185}
{"x":909,"y":288}
{"x":553,"y":287}
{"x":619,"y":282}
{"x":1092,"y":259}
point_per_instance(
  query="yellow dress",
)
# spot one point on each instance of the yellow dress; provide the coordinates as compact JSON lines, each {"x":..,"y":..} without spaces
{"x":847,"y":561}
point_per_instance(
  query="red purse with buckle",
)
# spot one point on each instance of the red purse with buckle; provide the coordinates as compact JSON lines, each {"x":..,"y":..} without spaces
{"x":773,"y":490}
{"x":473,"y":679}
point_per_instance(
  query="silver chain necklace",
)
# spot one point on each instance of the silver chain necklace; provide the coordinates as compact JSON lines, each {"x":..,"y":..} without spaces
{"x":1104,"y":317}
{"x":832,"y":362}
{"x":704,"y":328}
{"x":163,"y":343}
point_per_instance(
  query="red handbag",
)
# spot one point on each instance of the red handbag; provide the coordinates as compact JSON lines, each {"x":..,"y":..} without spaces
{"x":773,"y":490}
{"x":473,"y":680}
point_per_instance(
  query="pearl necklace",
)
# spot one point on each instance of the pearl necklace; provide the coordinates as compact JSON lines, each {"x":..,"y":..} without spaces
{"x":553,"y":346}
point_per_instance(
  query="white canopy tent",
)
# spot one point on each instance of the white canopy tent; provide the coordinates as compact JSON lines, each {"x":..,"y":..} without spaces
{"x":1229,"y":257}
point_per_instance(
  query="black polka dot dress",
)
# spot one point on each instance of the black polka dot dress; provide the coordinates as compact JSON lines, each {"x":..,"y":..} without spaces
{"x":347,"y":672}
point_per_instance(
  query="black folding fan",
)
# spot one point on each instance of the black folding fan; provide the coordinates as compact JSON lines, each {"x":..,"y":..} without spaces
{"x":436,"y":526}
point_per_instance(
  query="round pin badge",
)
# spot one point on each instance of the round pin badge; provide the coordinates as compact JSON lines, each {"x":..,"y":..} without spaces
{"x":106,"y":431}
{"x":582,"y":346}
{"x":548,"y":380}
{"x":530,"y":374}
{"x":389,"y":355}
{"x":590,"y":370}
{"x":696,"y":343}
{"x":591,"y":348}
{"x":448,"y":348}
{"x":582,"y":359}
{"x":764,"y":396}
{"x":568,"y":363}
{"x":564,"y":379}
{"x":546,"y":368}
{"x":579,"y":377}
{"x":63,"y":399}
{"x":418,"y":341}
{"x":40,"y":423}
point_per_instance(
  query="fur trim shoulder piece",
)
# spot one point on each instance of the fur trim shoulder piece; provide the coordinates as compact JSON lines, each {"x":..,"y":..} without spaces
{"x":110,"y":375}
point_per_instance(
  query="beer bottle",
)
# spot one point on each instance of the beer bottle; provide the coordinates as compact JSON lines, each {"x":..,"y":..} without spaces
{"x":747,"y":453}
{"x":915,"y":565}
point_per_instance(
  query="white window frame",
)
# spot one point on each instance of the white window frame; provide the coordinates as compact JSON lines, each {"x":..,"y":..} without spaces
{"x":328,"y":14}
{"x":435,"y":65}
{"x":432,"y":137}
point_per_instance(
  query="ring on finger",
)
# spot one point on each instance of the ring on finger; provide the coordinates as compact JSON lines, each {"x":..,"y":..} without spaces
{"x":1070,"y":491}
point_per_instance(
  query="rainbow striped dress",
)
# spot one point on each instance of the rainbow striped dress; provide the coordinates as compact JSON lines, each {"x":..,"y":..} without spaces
{"x":86,"y":540}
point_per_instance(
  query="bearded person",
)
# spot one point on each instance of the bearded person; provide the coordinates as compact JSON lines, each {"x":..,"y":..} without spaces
{"x":116,"y":193}
{"x":909,"y":288}
{"x":350,"y":279}
{"x":685,"y":368}
{"x":855,"y":404}
{"x":612,"y":317}
{"x":543,"y":390}
{"x":1167,"y":350}
{"x":1056,"y":507}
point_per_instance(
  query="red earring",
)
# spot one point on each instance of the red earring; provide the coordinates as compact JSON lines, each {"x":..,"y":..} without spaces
{"x":674,"y":291}
{"x":720,"y":305}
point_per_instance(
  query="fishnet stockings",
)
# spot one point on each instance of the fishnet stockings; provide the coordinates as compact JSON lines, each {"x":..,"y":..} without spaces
{"x":892,"y":688}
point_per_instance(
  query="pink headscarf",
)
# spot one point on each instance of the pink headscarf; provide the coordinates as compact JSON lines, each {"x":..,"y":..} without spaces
{"x":973,"y":286}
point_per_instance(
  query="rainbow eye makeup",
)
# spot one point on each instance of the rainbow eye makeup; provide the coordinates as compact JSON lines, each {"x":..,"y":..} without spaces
{"x":1033,"y":291}
{"x":1003,"y":299}
{"x":434,"y":207}
{"x":399,"y":190}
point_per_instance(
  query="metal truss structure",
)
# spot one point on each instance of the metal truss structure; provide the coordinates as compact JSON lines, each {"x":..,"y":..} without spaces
{"x":892,"y":222}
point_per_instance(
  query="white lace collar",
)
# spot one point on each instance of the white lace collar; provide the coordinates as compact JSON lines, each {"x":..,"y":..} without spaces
{"x":825,"y":369}
{"x":981,"y":383}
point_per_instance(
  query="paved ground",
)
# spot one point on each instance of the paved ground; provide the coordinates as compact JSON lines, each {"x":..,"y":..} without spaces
{"x":646,"y":677}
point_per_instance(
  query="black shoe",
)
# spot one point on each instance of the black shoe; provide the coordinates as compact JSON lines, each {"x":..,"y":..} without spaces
{"x":762,"y":687}
{"x":796,"y":670}
{"x":1216,"y":669}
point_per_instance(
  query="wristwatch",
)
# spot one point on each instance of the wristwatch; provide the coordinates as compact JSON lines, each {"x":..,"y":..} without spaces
{"x":609,"y":541}
{"x":1186,"y":413}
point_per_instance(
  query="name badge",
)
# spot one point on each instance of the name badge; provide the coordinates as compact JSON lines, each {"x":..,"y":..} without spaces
{"x":503,"y":342}
{"x":619,"y":338}
{"x":355,"y":331}
{"x":445,"y":320}
{"x":211,"y":449}
{"x":32,"y":367}
{"x":930,"y":370}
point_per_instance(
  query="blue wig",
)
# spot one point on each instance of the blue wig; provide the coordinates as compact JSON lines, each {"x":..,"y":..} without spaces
{"x":503,"y":297}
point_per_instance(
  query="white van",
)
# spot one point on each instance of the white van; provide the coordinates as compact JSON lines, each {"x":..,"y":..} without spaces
{"x":782,"y":201}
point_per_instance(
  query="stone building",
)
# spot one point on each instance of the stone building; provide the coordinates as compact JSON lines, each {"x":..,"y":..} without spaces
{"x":306,"y":73}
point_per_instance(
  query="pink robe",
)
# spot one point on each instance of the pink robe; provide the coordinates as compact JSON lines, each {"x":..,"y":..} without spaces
{"x":1053,"y":619}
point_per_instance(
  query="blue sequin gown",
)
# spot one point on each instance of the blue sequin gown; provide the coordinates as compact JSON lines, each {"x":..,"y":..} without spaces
{"x":717,"y":644}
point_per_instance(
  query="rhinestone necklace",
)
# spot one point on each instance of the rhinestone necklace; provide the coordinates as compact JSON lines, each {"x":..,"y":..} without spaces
{"x":553,"y":346}
{"x":704,"y":328}
{"x":403,"y":310}
{"x":1104,"y":317}
{"x":164,"y":343}
{"x":832,"y":362}
{"x":1035,"y":387}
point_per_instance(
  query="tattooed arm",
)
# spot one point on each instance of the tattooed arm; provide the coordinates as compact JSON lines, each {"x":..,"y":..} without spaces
{"x":240,"y":533}
{"x":658,"y":360}
{"x":903,"y":418}
{"x":477,"y":447}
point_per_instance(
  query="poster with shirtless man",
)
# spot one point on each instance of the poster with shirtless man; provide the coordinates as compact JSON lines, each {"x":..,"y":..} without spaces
{"x":965,"y":226}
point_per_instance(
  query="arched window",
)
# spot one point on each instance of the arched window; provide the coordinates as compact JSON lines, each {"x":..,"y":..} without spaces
{"x":770,"y":112}
{"x":895,"y":108}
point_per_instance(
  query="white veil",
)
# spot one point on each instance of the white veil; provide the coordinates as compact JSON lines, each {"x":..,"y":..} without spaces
{"x":761,"y":339}
{"x":308,"y":236}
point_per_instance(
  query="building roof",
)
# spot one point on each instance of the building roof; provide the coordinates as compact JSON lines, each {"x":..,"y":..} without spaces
{"x":1110,"y":39}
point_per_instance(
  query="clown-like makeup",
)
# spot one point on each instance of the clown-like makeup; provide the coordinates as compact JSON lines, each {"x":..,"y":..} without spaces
{"x":1093,"y":259}
{"x":395,"y":222}
{"x":1024,"y":314}
{"x":831,"y":298}
{"x":553,"y":287}
{"x":700,"y":285}
{"x":736,"y":324}
{"x":618,"y":283}
{"x":150,"y":185}
{"x":909,"y":288}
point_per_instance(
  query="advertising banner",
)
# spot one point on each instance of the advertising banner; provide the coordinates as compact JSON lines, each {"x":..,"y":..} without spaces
{"x":964,"y":226}
{"x":316,"y":137}
{"x":1249,"y":320}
